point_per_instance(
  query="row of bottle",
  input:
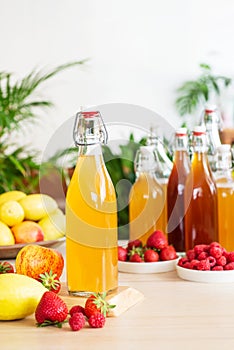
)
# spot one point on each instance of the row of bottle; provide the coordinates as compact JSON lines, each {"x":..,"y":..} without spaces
{"x":195,"y":206}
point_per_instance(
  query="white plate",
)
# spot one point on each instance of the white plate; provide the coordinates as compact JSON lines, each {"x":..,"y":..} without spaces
{"x":205,"y":276}
{"x":10,"y":251}
{"x":147,"y":267}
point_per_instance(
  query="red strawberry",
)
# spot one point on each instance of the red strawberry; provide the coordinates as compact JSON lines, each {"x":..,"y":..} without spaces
{"x":97,"y":303}
{"x":50,"y":281}
{"x":51,"y":310}
{"x":151,"y":255}
{"x":157,"y":240}
{"x":134,"y":244}
{"x":136,"y":258}
{"x":97,"y":320}
{"x":168,"y":253}
{"x":77,"y":321}
{"x":122,"y":254}
{"x":77,"y":308}
{"x":6,"y":267}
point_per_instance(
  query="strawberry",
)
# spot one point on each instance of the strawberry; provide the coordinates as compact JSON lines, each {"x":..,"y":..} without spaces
{"x":168,"y":253}
{"x":77,"y":321}
{"x":157,"y":240}
{"x":151,"y":255}
{"x":77,"y":308}
{"x":6,"y":267}
{"x":122,"y":254}
{"x":136,"y":258}
{"x":97,"y":303}
{"x":134,"y":244}
{"x":97,"y":320}
{"x":50,"y":281}
{"x":51,"y":310}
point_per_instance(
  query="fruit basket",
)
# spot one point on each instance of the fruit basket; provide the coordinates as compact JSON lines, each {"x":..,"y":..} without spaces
{"x":10,"y":251}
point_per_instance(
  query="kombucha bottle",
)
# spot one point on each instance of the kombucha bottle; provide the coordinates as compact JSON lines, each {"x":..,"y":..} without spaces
{"x":175,"y":191}
{"x":146,"y":198}
{"x":91,"y":214}
{"x":200,"y":194}
{"x":163,"y":168}
{"x":225,"y":187}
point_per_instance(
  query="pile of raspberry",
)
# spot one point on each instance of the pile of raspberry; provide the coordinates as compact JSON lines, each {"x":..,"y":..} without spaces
{"x":208,"y":257}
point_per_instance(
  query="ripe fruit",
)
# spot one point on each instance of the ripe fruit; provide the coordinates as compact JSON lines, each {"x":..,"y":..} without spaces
{"x":77,"y":321}
{"x":97,"y":303}
{"x":168,"y":253}
{"x":6,"y":267}
{"x":51,"y":310}
{"x":151,"y":255}
{"x":11,"y":196}
{"x":19,"y":296}
{"x":77,"y":308}
{"x":32,"y":260}
{"x":135,"y":258}
{"x":36,"y":206}
{"x":134,"y":244}
{"x":157,"y":240}
{"x":50,"y":281}
{"x":11,"y":213}
{"x":27,"y":232}
{"x":53,"y":226}
{"x":122,"y":254}
{"x":97,"y":320}
{"x":6,"y":236}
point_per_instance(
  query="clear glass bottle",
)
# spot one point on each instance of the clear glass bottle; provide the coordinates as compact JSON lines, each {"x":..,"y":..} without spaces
{"x":91,"y":214}
{"x":200,"y":194}
{"x":175,"y":191}
{"x":146,"y":198}
{"x":212,"y":120}
{"x":225,"y":187}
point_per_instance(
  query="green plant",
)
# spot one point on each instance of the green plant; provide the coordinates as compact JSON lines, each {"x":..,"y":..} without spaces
{"x":195,"y":93}
{"x":18,"y":106}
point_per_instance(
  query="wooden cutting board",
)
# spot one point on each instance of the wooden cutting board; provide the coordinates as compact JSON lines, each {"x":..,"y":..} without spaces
{"x":124,"y":298}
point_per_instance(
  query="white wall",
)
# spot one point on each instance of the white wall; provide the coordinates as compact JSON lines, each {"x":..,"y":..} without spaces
{"x":140,"y":51}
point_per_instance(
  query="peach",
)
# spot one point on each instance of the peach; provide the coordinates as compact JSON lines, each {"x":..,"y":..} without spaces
{"x":27,"y":232}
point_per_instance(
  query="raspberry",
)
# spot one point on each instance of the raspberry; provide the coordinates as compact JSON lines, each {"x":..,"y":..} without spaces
{"x":217,"y":268}
{"x":229,"y":266}
{"x":199,"y":248}
{"x":191,"y":254}
{"x":194,"y":263}
{"x":77,"y":308}
{"x":215,"y":244}
{"x":97,"y":320}
{"x":202,"y":256}
{"x":77,"y":321}
{"x":230,"y":257}
{"x":221,"y":261}
{"x":187,"y":265}
{"x":203,"y":265}
{"x":182,"y":261}
{"x":212,"y":261}
{"x":216,"y":252}
{"x":225,"y":253}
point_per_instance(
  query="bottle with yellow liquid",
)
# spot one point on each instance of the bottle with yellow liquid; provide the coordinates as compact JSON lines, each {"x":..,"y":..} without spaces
{"x":146,"y":199}
{"x":225,"y":187}
{"x":91,"y":214}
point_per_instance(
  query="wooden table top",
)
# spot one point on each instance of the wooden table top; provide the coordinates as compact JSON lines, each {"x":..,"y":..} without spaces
{"x":175,"y":314}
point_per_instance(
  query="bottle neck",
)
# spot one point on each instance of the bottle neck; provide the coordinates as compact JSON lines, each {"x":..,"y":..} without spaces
{"x":90,"y":150}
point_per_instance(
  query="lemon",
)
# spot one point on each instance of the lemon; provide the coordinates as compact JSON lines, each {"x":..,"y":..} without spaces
{"x":19,"y":296}
{"x":11,"y":213}
{"x":36,"y":206}
{"x":11,"y":196}
{"x":6,"y":236}
{"x":53,"y":226}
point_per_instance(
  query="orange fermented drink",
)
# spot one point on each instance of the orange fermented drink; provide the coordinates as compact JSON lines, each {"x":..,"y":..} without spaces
{"x":225,"y":187}
{"x":91,"y":215}
{"x":175,"y":191}
{"x":146,"y":199}
{"x":201,"y":221}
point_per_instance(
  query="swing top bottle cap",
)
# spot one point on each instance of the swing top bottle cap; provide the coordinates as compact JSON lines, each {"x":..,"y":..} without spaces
{"x":199,"y":130}
{"x":181,"y":132}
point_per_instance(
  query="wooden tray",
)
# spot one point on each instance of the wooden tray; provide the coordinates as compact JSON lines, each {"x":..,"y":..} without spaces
{"x":124,"y":298}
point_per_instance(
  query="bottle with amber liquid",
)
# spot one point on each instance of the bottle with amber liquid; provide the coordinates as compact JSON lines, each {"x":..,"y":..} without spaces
{"x":200,"y":194}
{"x":175,"y":191}
{"x":91,"y":214}
{"x":225,"y":187}
{"x":146,"y":198}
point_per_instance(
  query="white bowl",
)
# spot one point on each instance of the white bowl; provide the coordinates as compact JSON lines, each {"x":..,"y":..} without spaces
{"x":205,"y":276}
{"x":147,"y":267}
